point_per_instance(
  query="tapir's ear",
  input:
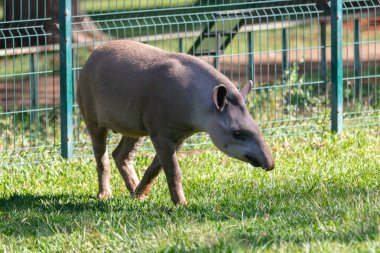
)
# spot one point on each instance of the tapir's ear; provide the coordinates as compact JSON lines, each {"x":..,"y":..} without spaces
{"x":220,"y":97}
{"x":244,"y":91}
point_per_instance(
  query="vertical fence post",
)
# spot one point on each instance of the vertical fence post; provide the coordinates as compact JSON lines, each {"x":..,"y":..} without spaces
{"x":357,"y":62}
{"x":251,"y":58}
{"x":33,"y":88}
{"x":323,"y":66}
{"x":336,"y":66}
{"x":66,"y":85}
{"x":284,"y":42}
{"x":180,"y":45}
{"x":217,"y":52}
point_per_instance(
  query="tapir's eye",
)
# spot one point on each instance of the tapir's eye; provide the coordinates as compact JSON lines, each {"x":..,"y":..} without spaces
{"x":238,"y":135}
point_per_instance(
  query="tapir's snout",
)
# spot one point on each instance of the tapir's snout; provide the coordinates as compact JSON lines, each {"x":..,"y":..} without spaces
{"x":269,"y":165}
{"x":265,"y":161}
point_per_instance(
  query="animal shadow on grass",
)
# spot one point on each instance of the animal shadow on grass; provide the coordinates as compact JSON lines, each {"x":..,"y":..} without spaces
{"x":35,"y":215}
{"x":32,"y":215}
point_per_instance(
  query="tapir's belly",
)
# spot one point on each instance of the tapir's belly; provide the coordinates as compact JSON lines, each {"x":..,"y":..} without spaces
{"x":122,"y":112}
{"x":126,"y":126}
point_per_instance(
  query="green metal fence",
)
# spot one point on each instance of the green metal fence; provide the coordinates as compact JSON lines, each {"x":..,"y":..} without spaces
{"x":361,"y":68}
{"x":314,"y":64}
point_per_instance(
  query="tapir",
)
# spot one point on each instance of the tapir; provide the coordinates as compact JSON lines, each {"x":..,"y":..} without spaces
{"x":138,"y":90}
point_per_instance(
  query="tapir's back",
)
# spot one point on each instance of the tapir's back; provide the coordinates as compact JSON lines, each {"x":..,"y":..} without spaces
{"x":118,"y":59}
{"x":127,"y":81}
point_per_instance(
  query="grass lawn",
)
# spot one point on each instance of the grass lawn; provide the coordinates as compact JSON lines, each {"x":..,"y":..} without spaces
{"x":324,"y":196}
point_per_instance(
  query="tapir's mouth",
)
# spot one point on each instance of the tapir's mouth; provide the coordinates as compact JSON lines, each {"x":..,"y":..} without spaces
{"x":253,"y":161}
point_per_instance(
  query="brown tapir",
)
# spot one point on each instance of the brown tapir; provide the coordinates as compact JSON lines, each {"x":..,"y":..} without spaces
{"x":138,"y":90}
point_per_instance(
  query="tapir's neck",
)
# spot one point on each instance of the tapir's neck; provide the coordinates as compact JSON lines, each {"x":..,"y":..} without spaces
{"x":201,"y":79}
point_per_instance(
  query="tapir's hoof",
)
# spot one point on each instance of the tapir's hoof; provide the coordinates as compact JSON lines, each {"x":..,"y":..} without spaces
{"x":105,"y":195}
{"x":141,"y":192}
{"x":140,"y":196}
{"x":181,"y":202}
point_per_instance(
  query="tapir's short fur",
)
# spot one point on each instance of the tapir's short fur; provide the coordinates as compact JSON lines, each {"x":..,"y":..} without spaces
{"x":138,"y":90}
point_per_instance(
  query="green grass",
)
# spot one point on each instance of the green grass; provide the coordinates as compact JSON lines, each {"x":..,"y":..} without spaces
{"x":324,"y":196}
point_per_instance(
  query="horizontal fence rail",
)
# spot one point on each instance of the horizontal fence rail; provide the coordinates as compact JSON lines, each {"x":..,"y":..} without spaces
{"x":314,"y":64}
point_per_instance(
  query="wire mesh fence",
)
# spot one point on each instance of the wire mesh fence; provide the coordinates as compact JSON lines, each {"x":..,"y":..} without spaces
{"x":285,"y":47}
{"x":28,"y":122}
{"x":361,"y":72}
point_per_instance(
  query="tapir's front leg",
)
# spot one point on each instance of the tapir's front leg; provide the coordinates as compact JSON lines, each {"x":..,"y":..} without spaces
{"x":166,"y":152}
{"x":143,"y":189}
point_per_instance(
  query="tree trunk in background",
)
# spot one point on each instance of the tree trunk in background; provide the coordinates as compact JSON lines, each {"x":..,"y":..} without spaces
{"x":35,"y":22}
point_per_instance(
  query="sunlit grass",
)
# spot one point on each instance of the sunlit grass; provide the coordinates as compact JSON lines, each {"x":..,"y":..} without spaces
{"x":324,"y":196}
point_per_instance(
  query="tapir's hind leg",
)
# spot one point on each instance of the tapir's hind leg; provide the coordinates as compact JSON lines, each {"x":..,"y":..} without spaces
{"x":123,"y":156}
{"x":99,"y":145}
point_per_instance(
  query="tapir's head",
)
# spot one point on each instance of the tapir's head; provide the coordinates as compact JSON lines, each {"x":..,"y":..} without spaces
{"x":233,"y":130}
